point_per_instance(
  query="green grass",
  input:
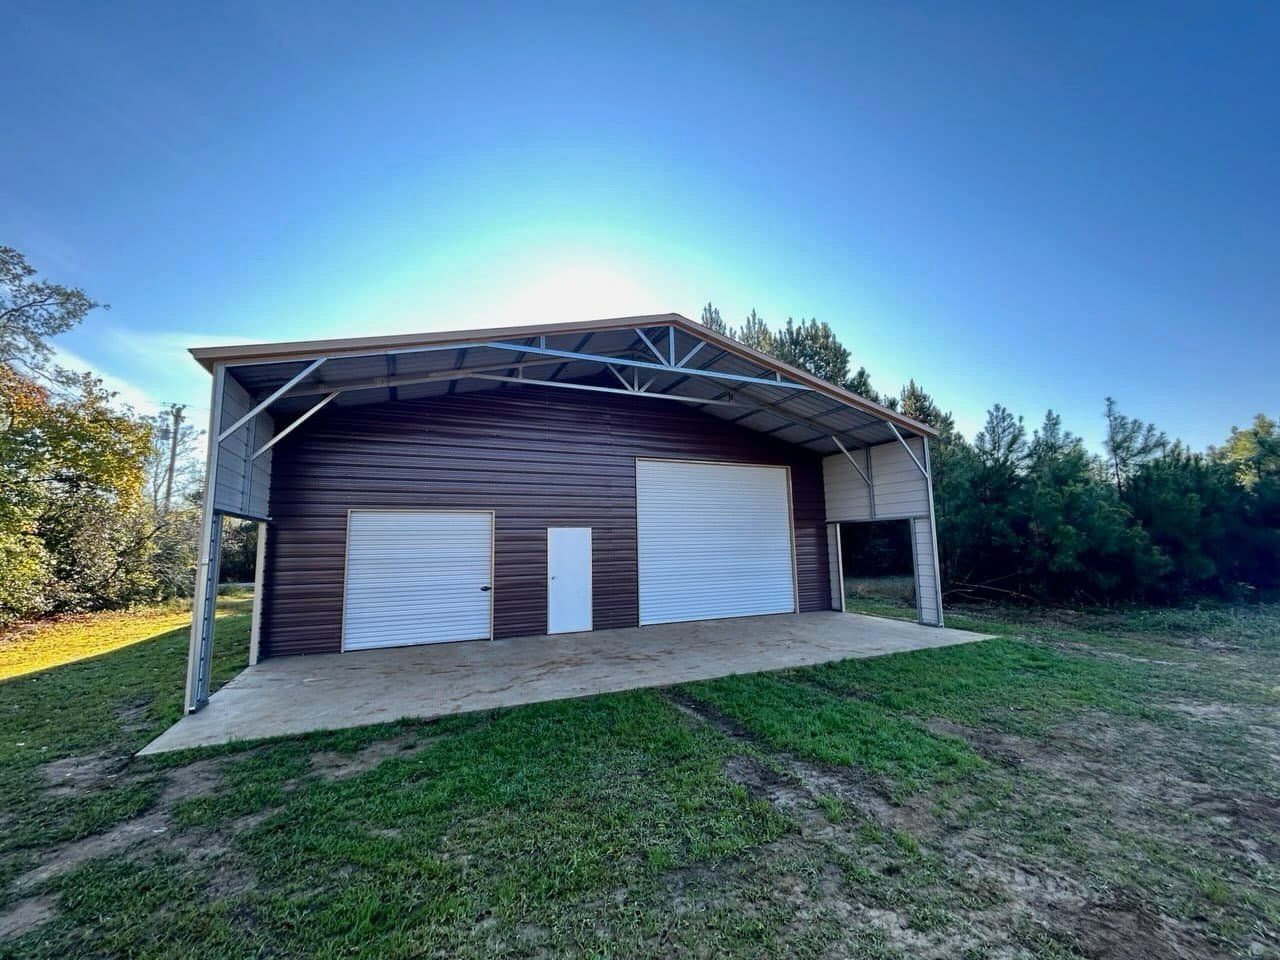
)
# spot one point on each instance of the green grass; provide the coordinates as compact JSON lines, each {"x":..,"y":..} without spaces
{"x":790,"y":714}
{"x":765,"y":815}
{"x":445,"y":834}
{"x":111,"y":705}
{"x":1004,"y":684}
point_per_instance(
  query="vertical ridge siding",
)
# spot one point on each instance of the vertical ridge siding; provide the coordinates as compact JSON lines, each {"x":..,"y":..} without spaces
{"x":538,"y":458}
{"x":900,"y":489}
{"x":847,"y":495}
{"x":241,"y":485}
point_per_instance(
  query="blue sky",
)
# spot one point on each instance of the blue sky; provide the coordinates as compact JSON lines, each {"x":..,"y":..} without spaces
{"x":1038,"y":205}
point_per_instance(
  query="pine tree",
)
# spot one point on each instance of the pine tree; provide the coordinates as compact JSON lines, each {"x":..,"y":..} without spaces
{"x":915,"y":403}
{"x":860,"y":383}
{"x":813,"y":346}
{"x":1003,"y":441}
{"x":1130,"y":443}
{"x":711,"y":320}
{"x":755,"y":333}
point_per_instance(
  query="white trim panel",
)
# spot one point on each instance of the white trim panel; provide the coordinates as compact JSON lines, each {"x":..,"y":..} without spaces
{"x":714,"y":540}
{"x":417,"y":576}
{"x":835,"y":566}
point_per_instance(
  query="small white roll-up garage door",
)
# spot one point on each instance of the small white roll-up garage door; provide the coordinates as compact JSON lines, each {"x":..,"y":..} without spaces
{"x":417,"y":577}
{"x":714,"y":541}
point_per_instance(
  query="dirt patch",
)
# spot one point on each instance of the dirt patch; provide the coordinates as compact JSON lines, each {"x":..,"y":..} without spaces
{"x":211,"y":852}
{"x":332,"y":765}
{"x":1126,"y":929}
{"x":1133,"y":762}
{"x":72,"y":775}
{"x":194,"y":780}
{"x":801,"y":783}
{"x":897,"y":930}
{"x":1035,"y":885}
{"x":230,"y":880}
{"x":1005,"y":749}
{"x":66,"y":857}
{"x":24,"y":916}
{"x":1090,"y":650}
{"x":785,"y":793}
{"x":135,"y":717}
{"x":1204,"y":711}
{"x":141,"y":836}
{"x":1250,"y":813}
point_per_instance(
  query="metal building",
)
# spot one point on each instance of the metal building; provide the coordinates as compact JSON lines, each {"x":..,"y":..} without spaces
{"x":542,"y":479}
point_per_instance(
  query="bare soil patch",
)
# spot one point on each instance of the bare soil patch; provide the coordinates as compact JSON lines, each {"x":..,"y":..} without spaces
{"x":138,"y":837}
{"x":72,"y":775}
{"x":23,"y":916}
{"x":332,"y":765}
{"x":1127,"y":929}
{"x":63,"y":858}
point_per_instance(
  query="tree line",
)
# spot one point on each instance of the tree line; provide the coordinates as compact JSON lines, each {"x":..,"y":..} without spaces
{"x":1032,"y":515}
{"x":99,"y":506}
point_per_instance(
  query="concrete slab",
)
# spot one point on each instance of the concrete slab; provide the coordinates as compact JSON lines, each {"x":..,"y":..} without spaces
{"x":291,"y":695}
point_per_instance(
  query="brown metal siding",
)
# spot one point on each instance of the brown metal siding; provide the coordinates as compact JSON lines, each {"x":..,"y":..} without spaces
{"x":536,"y":457}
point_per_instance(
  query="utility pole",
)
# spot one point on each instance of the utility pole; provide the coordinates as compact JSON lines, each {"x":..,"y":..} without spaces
{"x":175,"y":411}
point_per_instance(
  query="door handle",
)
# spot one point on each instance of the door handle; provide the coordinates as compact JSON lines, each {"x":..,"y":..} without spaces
{"x":486,"y":588}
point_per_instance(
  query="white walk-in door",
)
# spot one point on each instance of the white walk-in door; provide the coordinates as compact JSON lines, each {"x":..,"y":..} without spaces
{"x":714,"y":541}
{"x":568,"y":579}
{"x":417,"y":576}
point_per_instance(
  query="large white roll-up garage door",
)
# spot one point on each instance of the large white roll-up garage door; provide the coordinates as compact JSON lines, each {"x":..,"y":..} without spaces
{"x":417,"y":577}
{"x":714,"y":541}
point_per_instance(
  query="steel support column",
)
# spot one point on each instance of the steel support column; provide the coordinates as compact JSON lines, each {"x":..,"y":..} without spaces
{"x":933,"y":529}
{"x":200,"y":649}
{"x":259,"y":579}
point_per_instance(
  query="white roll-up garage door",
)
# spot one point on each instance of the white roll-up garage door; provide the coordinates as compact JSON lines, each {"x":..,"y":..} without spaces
{"x":714,"y":541}
{"x":417,"y":577}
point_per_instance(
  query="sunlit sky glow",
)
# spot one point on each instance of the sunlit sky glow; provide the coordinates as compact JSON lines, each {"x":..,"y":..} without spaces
{"x":1038,"y":208}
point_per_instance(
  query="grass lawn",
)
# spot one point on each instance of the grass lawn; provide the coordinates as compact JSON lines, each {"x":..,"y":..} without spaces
{"x":1085,"y":785}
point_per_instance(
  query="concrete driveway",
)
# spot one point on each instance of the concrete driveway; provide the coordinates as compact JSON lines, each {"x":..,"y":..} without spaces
{"x":290,"y":695}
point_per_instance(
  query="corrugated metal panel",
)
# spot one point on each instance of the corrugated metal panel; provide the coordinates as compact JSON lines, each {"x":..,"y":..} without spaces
{"x":242,"y":485}
{"x":539,"y":457}
{"x":416,"y":577}
{"x":848,"y":496}
{"x":928,"y":590}
{"x":257,"y":499}
{"x":901,"y":490}
{"x":714,"y":541}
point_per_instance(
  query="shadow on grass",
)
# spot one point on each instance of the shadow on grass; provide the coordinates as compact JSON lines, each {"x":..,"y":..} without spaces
{"x":46,"y":645}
